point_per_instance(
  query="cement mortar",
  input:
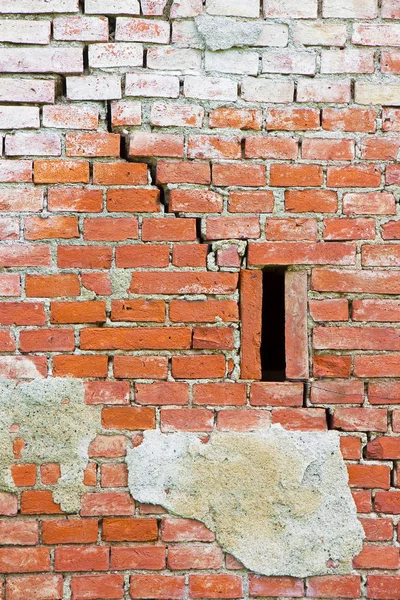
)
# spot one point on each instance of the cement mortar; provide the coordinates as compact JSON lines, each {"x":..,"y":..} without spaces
{"x":57,"y":427}
{"x":278,"y":501}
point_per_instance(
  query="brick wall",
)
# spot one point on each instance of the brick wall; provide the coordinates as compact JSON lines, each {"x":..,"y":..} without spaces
{"x":146,"y":181}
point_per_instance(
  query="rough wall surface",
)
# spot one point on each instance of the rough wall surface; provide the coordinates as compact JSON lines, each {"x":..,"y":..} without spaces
{"x":156,"y":156}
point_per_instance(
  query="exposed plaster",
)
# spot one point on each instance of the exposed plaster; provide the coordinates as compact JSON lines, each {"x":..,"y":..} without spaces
{"x":278,"y":501}
{"x":50,"y":415}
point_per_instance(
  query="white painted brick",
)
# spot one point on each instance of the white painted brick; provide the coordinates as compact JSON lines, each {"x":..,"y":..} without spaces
{"x":377,"y":93}
{"x":210,"y":88}
{"x":185,"y":34}
{"x":68,"y":116}
{"x":234,"y":8}
{"x":126,"y":112}
{"x":267,"y":90}
{"x":149,"y":85}
{"x":19,"y":117}
{"x":387,"y":34}
{"x":347,"y":61}
{"x":319,"y":33}
{"x":27,"y":90}
{"x":153,"y":7}
{"x":112,"y":7}
{"x":92,"y":87}
{"x":81,"y":29}
{"x":41,"y":60}
{"x":163,"y":114}
{"x":15,"y":171}
{"x":323,"y":90}
{"x":291,"y":9}
{"x":142,"y":30}
{"x":182,"y":9}
{"x":232,"y":61}
{"x":115,"y":55}
{"x":19,"y":31}
{"x":174,"y":59}
{"x":289,"y":61}
{"x":33,"y":144}
{"x":390,"y":9}
{"x":273,"y":34}
{"x":350,"y":9}
{"x":38,"y":6}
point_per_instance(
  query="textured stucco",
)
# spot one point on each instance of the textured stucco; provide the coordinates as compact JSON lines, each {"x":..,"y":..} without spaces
{"x":51,"y":417}
{"x":277,"y":500}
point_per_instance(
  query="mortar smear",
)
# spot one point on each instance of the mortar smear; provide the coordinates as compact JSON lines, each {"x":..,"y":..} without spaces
{"x":57,"y":426}
{"x":278,"y":501}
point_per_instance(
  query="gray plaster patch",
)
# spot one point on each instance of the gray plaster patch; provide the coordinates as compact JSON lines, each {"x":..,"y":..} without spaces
{"x":57,"y":426}
{"x":278,"y":501}
{"x":221,"y":33}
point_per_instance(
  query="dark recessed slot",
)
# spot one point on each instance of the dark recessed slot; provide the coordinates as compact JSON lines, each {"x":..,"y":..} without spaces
{"x":273,"y":326}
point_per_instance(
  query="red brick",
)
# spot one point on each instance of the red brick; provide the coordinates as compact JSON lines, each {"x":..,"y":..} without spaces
{"x":243,"y":420}
{"x":275,"y":586}
{"x":203,"y":311}
{"x":131,"y":418}
{"x":137,"y":338}
{"x":349,"y":119}
{"x":220,"y":228}
{"x":47,"y":340}
{"x":80,"y":366}
{"x":213,"y":338}
{"x":141,"y":367}
{"x":276,"y":394}
{"x":120,"y":173}
{"x":349,"y":229}
{"x":183,"y":283}
{"x":369,"y":476}
{"x":238,"y":174}
{"x":292,"y":119}
{"x":311,"y":201}
{"x":354,"y":176}
{"x":294,"y":419}
{"x":24,"y":560}
{"x":194,"y":557}
{"x":19,"y":533}
{"x":39,"y":502}
{"x":186,"y":419}
{"x":329,"y":365}
{"x":334,"y":586}
{"x":288,"y":253}
{"x":84,"y":257}
{"x":73,"y":558}
{"x":360,"y":419}
{"x":329,"y":310}
{"x":138,"y":310}
{"x":89,"y":587}
{"x":337,"y":392}
{"x":61,"y":171}
{"x":106,"y":504}
{"x":195,"y":201}
{"x":129,"y":530}
{"x":219,"y":394}
{"x":213,"y":147}
{"x":114,"y":475}
{"x":157,"y":587}
{"x":296,"y":175}
{"x":185,"y":530}
{"x":215,"y":586}
{"x":251,"y":201}
{"x":159,"y":394}
{"x":78,"y":312}
{"x":108,"y":446}
{"x":138,"y":557}
{"x":375,"y":557}
{"x":24,"y":475}
{"x":198,"y":367}
{"x":169,"y":230}
{"x":92,"y":144}
{"x":291,"y":229}
{"x":70,"y":531}
{"x":377,"y":529}
{"x":369,"y":282}
{"x":35,"y":586}
{"x":350,"y":447}
{"x":383,"y":392}
{"x":251,"y":318}
{"x":150,"y":255}
{"x":133,"y":200}
{"x":189,"y":255}
{"x":383,"y":587}
{"x":271,"y":147}
{"x":75,"y":199}
{"x":183,"y":172}
{"x":327,"y":149}
{"x":110,"y":229}
{"x":388,"y":502}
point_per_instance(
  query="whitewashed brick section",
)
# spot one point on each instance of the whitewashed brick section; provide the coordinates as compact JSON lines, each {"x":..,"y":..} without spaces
{"x":126,"y":112}
{"x":376,"y":93}
{"x":267,"y":90}
{"x":174,"y":59}
{"x":142,"y":30}
{"x":20,"y":31}
{"x":147,"y":85}
{"x":33,"y":144}
{"x":112,"y":7}
{"x":323,"y":90}
{"x":163,"y":114}
{"x":19,"y":117}
{"x":67,"y":116}
{"x":182,"y":9}
{"x":288,"y":62}
{"x":273,"y":34}
{"x":81,"y":29}
{"x":153,"y":7}
{"x":186,"y":35}
{"x":291,"y":9}
{"x":33,"y":199}
{"x":91,"y":87}
{"x":232,"y":61}
{"x":38,"y":6}
{"x":102,"y":56}
{"x":316,"y":33}
{"x":387,"y":34}
{"x":347,"y":61}
{"x":234,"y":8}
{"x":27,"y":90}
{"x":390,"y":9}
{"x":41,"y":60}
{"x":210,"y":88}
{"x":350,"y":9}
{"x":15,"y":171}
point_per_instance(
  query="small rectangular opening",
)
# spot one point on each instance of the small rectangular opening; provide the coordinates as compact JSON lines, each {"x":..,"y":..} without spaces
{"x":273,"y":361}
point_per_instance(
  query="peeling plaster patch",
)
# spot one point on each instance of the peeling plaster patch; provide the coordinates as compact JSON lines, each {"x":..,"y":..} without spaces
{"x":221,"y":33}
{"x":56,"y":425}
{"x":278,"y":501}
